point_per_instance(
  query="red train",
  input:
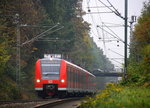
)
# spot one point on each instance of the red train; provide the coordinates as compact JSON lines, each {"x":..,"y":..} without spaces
{"x":58,"y":77}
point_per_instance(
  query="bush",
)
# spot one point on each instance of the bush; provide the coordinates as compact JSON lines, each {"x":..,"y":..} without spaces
{"x":115,"y":96}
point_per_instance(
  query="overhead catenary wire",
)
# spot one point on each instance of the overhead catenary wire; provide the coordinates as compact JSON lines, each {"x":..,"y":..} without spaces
{"x":96,"y":26}
{"x":93,"y":20}
{"x":102,"y":33}
{"x":104,"y":39}
{"x":42,"y":34}
{"x":113,"y":32}
{"x":105,"y":28}
{"x":117,"y":61}
{"x":106,"y":5}
{"x":98,"y":12}
{"x":114,"y":11}
{"x":116,"y":52}
{"x":110,"y":33}
{"x":98,"y":6}
{"x":113,"y":24}
{"x":91,"y":29}
{"x":109,"y":7}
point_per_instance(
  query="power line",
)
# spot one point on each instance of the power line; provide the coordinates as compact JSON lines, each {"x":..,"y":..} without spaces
{"x":93,"y":33}
{"x":103,"y":39}
{"x":116,"y":52}
{"x":116,"y":36}
{"x":104,"y":24}
{"x":105,"y":51}
{"x":108,"y":40}
{"x":106,"y":5}
{"x":113,"y":24}
{"x":113,"y":33}
{"x":98,"y":6}
{"x":115,"y":12}
{"x":117,"y":61}
{"x":98,"y":12}
{"x":116,"y":58}
{"x":93,"y":20}
{"x":109,"y":33}
{"x":41,"y":35}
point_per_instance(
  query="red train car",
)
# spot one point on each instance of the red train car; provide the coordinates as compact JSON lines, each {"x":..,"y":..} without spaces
{"x":59,"y":77}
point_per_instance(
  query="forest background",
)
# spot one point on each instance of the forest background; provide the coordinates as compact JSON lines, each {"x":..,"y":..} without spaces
{"x":31,"y":18}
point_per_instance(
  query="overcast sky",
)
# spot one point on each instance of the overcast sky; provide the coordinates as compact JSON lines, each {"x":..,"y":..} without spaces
{"x":112,"y":48}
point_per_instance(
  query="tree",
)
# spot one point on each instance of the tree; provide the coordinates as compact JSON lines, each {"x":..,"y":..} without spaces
{"x":139,"y":57}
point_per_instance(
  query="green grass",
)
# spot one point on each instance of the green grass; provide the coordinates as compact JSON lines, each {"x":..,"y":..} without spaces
{"x":115,"y":96}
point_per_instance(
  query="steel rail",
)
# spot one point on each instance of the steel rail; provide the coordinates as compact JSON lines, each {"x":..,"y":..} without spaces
{"x":55,"y":103}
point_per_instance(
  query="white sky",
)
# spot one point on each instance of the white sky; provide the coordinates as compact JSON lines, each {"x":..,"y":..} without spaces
{"x":110,"y":19}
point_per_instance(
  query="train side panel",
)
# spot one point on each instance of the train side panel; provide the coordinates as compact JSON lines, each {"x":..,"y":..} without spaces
{"x":78,"y":80}
{"x":63,"y":77}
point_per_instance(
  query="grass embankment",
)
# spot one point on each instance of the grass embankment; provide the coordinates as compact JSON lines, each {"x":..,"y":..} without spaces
{"x":116,"y":96}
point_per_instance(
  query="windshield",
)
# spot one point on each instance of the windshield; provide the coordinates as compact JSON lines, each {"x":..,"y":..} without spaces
{"x":50,"y":69}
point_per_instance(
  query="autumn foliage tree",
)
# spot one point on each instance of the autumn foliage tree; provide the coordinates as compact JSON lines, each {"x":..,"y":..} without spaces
{"x":139,"y":67}
{"x":29,"y":14}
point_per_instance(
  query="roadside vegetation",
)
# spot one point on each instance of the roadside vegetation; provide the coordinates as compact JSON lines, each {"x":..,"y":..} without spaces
{"x":118,"y":96}
{"x":134,"y":91}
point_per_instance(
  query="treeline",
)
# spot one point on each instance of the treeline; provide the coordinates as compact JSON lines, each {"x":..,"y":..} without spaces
{"x":139,"y":60}
{"x":68,"y":35}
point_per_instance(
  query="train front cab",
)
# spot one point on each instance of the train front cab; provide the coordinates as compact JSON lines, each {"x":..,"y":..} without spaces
{"x":50,"y":77}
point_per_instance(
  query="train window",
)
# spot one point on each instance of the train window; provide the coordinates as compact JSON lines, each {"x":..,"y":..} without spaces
{"x":50,"y":69}
{"x":69,"y":75}
{"x":75,"y":78}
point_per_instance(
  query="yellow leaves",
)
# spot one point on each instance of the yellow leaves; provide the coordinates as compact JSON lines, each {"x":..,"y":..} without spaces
{"x":34,"y":49}
{"x":4,"y":57}
{"x":147,"y":84}
{"x":86,"y":39}
{"x":3,"y":53}
{"x":114,"y":87}
{"x":118,"y":89}
{"x":141,"y":33}
{"x":104,"y":96}
{"x":147,"y":50}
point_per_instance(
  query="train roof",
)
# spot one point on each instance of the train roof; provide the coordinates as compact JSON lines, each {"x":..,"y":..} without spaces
{"x":78,"y":67}
{"x":70,"y":64}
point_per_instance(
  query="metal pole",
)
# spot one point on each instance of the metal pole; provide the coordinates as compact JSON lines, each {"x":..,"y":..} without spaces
{"x":125,"y":45}
{"x":18,"y":51}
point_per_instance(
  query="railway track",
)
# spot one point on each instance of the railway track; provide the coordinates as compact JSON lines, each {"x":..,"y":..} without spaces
{"x":57,"y":102}
{"x":40,"y":103}
{"x":23,"y":103}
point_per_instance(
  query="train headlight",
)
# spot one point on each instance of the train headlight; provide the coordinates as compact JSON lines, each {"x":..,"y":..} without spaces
{"x":38,"y":81}
{"x":62,"y":81}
